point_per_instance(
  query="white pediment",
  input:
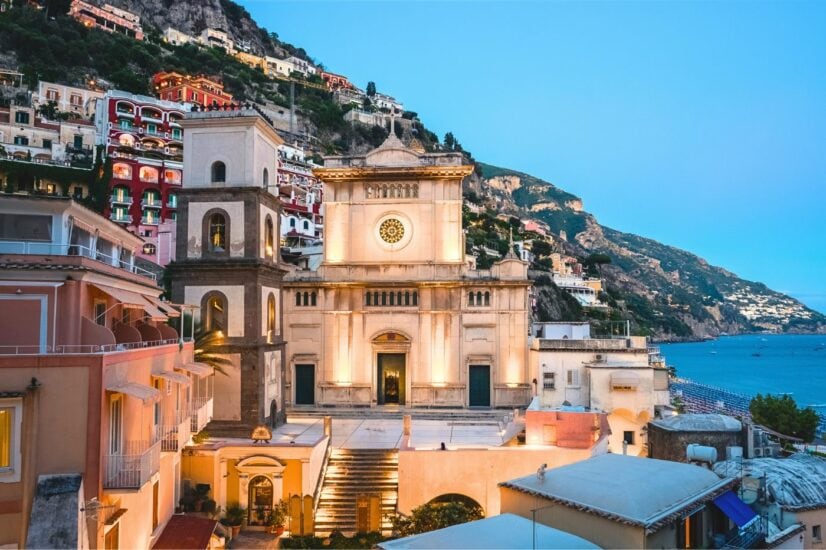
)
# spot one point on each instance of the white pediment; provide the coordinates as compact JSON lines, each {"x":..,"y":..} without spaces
{"x":259,"y":464}
{"x":391,"y":156}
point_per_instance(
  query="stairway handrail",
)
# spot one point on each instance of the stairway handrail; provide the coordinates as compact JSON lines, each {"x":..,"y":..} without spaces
{"x":321,"y":474}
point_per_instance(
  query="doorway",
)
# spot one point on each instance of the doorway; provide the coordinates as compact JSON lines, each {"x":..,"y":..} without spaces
{"x":479,"y":386}
{"x":260,"y":501}
{"x":305,"y":384}
{"x":391,"y":380}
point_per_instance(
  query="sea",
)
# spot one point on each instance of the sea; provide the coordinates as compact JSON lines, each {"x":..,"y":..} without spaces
{"x":791,"y":364}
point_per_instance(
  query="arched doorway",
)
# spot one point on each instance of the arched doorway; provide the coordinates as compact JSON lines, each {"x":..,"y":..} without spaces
{"x":390,"y":350}
{"x":260,"y":500}
{"x":472,"y":506}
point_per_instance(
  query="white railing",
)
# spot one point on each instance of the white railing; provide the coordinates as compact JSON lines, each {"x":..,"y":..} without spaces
{"x":52,"y":249}
{"x":132,"y":468}
{"x":126,"y":200}
{"x":35,"y":349}
{"x":174,"y":437}
{"x":201,"y":413}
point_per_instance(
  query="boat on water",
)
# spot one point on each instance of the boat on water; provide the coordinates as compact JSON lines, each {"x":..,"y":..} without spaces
{"x":713,"y":352}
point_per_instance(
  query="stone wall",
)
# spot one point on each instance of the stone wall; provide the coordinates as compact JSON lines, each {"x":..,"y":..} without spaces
{"x":672,"y":445}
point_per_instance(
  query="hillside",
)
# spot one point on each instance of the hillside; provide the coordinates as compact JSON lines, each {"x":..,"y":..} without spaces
{"x":664,"y":291}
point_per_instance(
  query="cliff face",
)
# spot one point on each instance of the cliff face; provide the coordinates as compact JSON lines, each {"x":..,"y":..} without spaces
{"x":667,"y":292}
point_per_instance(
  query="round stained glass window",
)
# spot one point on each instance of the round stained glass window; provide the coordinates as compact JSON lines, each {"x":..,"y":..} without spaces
{"x":391,"y":230}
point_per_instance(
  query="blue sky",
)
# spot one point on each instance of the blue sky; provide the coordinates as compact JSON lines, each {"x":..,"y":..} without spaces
{"x":699,"y":124}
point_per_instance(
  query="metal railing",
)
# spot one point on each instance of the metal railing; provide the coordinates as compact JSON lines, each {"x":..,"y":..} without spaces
{"x":175,"y":436}
{"x":85,"y":349}
{"x":133,"y":467}
{"x":52,"y":249}
{"x":201,"y":413}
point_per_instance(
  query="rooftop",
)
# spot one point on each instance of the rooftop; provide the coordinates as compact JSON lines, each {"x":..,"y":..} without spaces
{"x":699,"y":423}
{"x":796,"y":483}
{"x":635,"y":491}
{"x":502,"y":531}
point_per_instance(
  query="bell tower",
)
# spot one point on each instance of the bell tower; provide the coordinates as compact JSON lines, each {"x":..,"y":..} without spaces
{"x":228,"y":263}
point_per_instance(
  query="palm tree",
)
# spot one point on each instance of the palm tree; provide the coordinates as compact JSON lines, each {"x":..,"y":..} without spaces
{"x":206,"y":345}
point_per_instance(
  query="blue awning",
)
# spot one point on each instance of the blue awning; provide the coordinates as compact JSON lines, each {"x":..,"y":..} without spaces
{"x":734,"y":508}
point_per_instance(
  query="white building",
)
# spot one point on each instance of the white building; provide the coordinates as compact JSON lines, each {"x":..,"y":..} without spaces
{"x":384,"y":101}
{"x":69,"y":99}
{"x":280,"y":67}
{"x":177,"y":38}
{"x":620,"y":376}
{"x":218,"y":38}
{"x":300,"y":65}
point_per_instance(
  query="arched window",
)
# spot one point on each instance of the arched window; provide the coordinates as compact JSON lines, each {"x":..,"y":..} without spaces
{"x":215,"y":313}
{"x":487,"y":298}
{"x":265,"y":178}
{"x":219,"y":172}
{"x":369,"y":191}
{"x":415,"y":298}
{"x":392,"y":298}
{"x":292,"y":222}
{"x":312,"y":298}
{"x":399,"y":298}
{"x":415,"y":190}
{"x":479,"y":298}
{"x":298,"y":298}
{"x":376,"y":298}
{"x":470,"y":300}
{"x":368,"y":298}
{"x":217,"y":233}
{"x":269,"y":238}
{"x":384,"y":298}
{"x":306,"y":225}
{"x":147,"y":174}
{"x":271,"y":314}
{"x":407,"y":298}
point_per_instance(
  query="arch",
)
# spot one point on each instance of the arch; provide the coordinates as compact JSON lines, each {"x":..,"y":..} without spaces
{"x":407,"y":297}
{"x":313,"y":298}
{"x":265,"y":178}
{"x":487,"y":298}
{"x":470,"y":298}
{"x":214,"y":311}
{"x":368,"y":298}
{"x":215,"y":232}
{"x":172,"y":176}
{"x":450,"y":498}
{"x":126,"y":140}
{"x":148,"y":174}
{"x":298,"y":298}
{"x":218,"y":172}
{"x":394,"y":335}
{"x":306,"y":225}
{"x":415,"y":297}
{"x":270,"y":315}
{"x":269,"y":237}
{"x":151,"y":112}
{"x":273,"y":414}
{"x":306,"y":298}
{"x":479,"y":298}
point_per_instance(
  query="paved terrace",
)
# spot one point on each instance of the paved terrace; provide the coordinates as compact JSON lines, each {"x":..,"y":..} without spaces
{"x":383,"y":433}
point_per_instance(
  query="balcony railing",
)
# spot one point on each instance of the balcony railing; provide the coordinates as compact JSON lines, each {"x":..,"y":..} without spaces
{"x":51,"y":249}
{"x":82,"y":349}
{"x":120,"y":218}
{"x":149,"y":221}
{"x":175,"y":437}
{"x":125,"y":200}
{"x":201,"y":413}
{"x":153,"y":203}
{"x":139,"y":461}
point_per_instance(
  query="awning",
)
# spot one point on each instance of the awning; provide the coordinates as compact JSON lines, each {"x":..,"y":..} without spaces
{"x":147,"y":394}
{"x":166,"y":307}
{"x":734,"y":508}
{"x":625,"y":379}
{"x":127,"y":298}
{"x":198,"y":369}
{"x":172,"y":377}
{"x":154,"y":313}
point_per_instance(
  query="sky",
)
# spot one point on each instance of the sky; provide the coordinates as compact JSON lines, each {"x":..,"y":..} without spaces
{"x":698,"y":124}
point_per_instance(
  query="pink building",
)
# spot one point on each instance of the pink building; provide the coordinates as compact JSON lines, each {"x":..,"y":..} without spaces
{"x":98,"y":394}
{"x":107,"y":18}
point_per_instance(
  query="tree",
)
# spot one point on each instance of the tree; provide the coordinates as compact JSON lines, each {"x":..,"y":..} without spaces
{"x":371,"y":88}
{"x":435,"y":515}
{"x":594,"y":263}
{"x":206,"y":345}
{"x":57,"y":7}
{"x":450,"y":141}
{"x":781,"y":414}
{"x":541,"y":248}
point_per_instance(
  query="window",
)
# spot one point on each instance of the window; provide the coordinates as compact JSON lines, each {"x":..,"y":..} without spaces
{"x":21,"y":140}
{"x":148,"y":174}
{"x":548,"y":381}
{"x":219,"y":172}
{"x":77,"y":193}
{"x":100,"y":313}
{"x":47,"y":143}
{"x":6,"y":427}
{"x":271,"y":315}
{"x":155,"y":504}
{"x":21,"y":117}
{"x":52,"y":95}
{"x":151,"y":128}
{"x":115,"y":425}
{"x":306,"y":225}
{"x":487,"y":298}
{"x":156,"y":407}
{"x":125,"y":124}
{"x":816,"y":534}
{"x":75,"y":100}
{"x":149,"y":249}
{"x":573,"y":378}
{"x":78,"y":141}
{"x":471,"y":299}
{"x":269,"y":238}
{"x":176,"y":133}
{"x":265,"y":178}
{"x":628,"y":437}
{"x":111,"y":538}
{"x":217,"y":233}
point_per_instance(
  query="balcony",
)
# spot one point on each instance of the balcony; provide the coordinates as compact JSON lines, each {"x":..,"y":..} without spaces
{"x":175,"y":437}
{"x":151,"y":203}
{"x":119,"y":217}
{"x":201,"y":413}
{"x":124,"y":200}
{"x":71,"y":250}
{"x":146,"y":220}
{"x":137,"y":464}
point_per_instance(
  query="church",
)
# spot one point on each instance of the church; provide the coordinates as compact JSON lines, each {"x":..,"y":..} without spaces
{"x":397,"y":315}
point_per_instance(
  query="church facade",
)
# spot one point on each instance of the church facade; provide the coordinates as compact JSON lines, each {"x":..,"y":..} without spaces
{"x":396,"y":315}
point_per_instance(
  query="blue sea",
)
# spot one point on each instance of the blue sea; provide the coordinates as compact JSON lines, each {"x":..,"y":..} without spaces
{"x":757,"y":363}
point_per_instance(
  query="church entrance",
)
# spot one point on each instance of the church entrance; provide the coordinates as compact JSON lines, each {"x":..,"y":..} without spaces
{"x":305,"y":384}
{"x":479,"y":386}
{"x":390,"y":378}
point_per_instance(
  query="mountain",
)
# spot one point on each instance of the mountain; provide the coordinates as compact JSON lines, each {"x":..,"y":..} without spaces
{"x":667,"y":292}
{"x":663,"y":291}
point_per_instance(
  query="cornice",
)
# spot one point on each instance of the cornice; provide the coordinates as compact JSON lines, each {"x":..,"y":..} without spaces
{"x":370,"y":173}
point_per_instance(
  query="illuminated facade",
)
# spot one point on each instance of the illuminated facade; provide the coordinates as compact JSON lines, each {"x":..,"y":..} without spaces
{"x":395,"y":315}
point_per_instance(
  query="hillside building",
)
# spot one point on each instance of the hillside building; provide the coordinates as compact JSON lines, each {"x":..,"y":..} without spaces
{"x":69,"y":99}
{"x":144,"y":138}
{"x":279,"y":67}
{"x":107,"y":18}
{"x":199,"y":89}
{"x":218,"y":38}
{"x":335,"y":81}
{"x":394,"y":315}
{"x":177,"y":38}
{"x":301,"y":66}
{"x":301,"y":194}
{"x":86,"y":356}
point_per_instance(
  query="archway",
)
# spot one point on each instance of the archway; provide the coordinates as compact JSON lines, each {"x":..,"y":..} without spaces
{"x":390,"y":348}
{"x":457,"y":498}
{"x":260,"y":500}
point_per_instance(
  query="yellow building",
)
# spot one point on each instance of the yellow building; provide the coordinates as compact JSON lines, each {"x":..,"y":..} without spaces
{"x":395,"y":315}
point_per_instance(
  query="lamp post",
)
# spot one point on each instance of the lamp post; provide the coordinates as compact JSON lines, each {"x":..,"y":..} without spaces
{"x":533,"y":519}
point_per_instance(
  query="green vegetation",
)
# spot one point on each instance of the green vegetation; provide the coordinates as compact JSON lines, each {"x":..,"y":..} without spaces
{"x":436,"y":515}
{"x":335,"y":540}
{"x":781,"y":414}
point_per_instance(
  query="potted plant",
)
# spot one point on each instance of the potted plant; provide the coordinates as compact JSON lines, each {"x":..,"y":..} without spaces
{"x":277,"y":518}
{"x":234,"y":516}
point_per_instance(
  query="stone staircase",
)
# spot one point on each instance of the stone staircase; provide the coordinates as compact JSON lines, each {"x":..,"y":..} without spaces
{"x":354,"y":472}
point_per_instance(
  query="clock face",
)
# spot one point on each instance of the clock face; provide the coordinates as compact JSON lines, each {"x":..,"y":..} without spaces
{"x":391,"y":230}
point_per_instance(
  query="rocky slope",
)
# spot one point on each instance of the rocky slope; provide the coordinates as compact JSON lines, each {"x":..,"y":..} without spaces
{"x":667,"y":292}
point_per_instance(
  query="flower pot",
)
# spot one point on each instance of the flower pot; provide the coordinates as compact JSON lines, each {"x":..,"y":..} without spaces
{"x":279,"y":530}
{"x":236,"y":529}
